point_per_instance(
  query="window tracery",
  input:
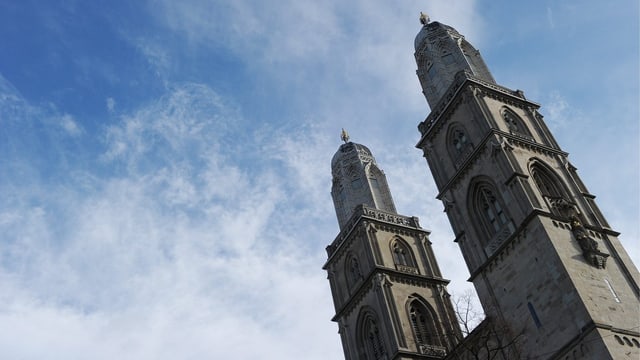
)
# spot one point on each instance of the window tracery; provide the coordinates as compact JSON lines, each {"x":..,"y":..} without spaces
{"x":492,"y":210}
{"x":490,"y":215}
{"x":515,"y":124}
{"x":353,"y":271}
{"x":459,"y":144}
{"x":460,"y":140}
{"x":552,"y":190}
{"x":427,"y":337}
{"x":372,"y":339}
{"x":420,"y":324}
{"x":403,"y":256}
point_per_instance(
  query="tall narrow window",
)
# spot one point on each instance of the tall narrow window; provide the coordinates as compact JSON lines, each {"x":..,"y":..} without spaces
{"x":420,"y":324}
{"x":489,"y":215}
{"x":534,"y":315}
{"x":373,"y":340}
{"x":402,"y":254}
{"x":551,"y":188}
{"x":459,"y":140}
{"x":515,"y":124}
{"x":546,"y":184}
{"x":353,"y":271}
{"x":492,"y":211}
{"x":459,"y":144}
{"x":423,"y":323}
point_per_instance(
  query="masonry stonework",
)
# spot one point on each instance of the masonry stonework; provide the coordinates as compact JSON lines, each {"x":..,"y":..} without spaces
{"x":545,"y":263}
{"x":553,"y":279}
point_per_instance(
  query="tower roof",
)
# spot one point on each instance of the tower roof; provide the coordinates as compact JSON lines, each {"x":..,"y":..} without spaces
{"x":357,"y":180}
{"x":430,"y":27}
{"x":349,"y":150}
{"x":441,"y":53}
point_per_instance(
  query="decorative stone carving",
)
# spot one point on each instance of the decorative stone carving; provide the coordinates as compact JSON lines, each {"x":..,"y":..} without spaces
{"x":498,"y":239}
{"x":381,"y":280}
{"x":433,"y":350}
{"x":407,"y":269}
{"x":589,"y":246}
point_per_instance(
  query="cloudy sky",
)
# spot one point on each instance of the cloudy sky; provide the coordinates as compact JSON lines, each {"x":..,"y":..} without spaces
{"x":165,"y":165}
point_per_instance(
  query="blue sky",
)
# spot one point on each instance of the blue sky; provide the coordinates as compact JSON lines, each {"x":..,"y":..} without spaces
{"x":165,"y":165}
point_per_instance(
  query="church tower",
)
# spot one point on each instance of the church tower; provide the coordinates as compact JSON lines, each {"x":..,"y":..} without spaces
{"x":389,"y":295}
{"x":549,"y":271}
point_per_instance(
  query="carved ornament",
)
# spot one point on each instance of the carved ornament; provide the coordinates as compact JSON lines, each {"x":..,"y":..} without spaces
{"x":589,"y":246}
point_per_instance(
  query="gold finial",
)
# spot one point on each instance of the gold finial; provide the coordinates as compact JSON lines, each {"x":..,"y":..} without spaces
{"x":344,"y":135}
{"x":424,"y":18}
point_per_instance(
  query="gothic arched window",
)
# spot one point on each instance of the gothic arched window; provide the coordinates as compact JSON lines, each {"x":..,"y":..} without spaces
{"x":514,"y":123}
{"x":428,"y":336}
{"x":489,"y":210}
{"x":460,"y":140}
{"x":421,"y":323}
{"x":546,"y":182}
{"x":459,"y":143}
{"x":371,"y":338}
{"x":402,"y":256}
{"x":353,"y":271}
{"x":550,"y":186}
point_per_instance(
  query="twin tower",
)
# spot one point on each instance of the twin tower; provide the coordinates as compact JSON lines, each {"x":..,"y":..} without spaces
{"x":553,"y":279}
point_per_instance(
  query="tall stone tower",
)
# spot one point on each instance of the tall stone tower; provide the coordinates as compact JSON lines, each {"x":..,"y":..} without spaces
{"x":390,"y":298}
{"x":550,"y":272}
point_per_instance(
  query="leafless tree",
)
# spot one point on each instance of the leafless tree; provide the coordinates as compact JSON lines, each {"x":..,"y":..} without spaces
{"x":466,"y":311}
{"x":483,"y":338}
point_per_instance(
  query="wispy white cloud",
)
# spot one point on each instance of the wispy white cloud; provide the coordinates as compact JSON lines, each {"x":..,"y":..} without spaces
{"x":560,"y":112}
{"x":111,"y":104}
{"x":70,"y":126}
{"x":200,"y":225}
{"x":186,"y":244}
{"x":550,"y":17}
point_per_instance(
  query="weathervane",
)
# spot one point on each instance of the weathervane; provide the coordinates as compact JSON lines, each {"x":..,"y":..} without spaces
{"x":344,"y":135}
{"x":424,"y":18}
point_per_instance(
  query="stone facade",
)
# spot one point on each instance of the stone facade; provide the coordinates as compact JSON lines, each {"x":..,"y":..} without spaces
{"x":542,"y":257}
{"x":553,"y":279}
{"x":389,"y":295}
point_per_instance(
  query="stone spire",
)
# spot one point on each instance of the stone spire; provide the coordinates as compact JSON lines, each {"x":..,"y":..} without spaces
{"x":441,"y":53}
{"x":357,"y":180}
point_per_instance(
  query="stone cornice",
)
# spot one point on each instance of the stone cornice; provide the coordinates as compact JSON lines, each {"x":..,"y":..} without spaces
{"x":382,"y":219}
{"x":520,"y":233}
{"x":511,"y":140}
{"x":515,"y":238}
{"x":445,"y":107}
{"x":585,"y":332}
{"x":395,"y":276}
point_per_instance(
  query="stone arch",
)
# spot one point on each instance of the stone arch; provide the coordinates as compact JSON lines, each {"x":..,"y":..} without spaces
{"x":487,"y":209}
{"x":370,"y":335}
{"x":514,"y":123}
{"x":459,"y":144}
{"x":424,"y":323}
{"x":352,"y":270}
{"x":403,"y":256}
{"x":552,"y":189}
